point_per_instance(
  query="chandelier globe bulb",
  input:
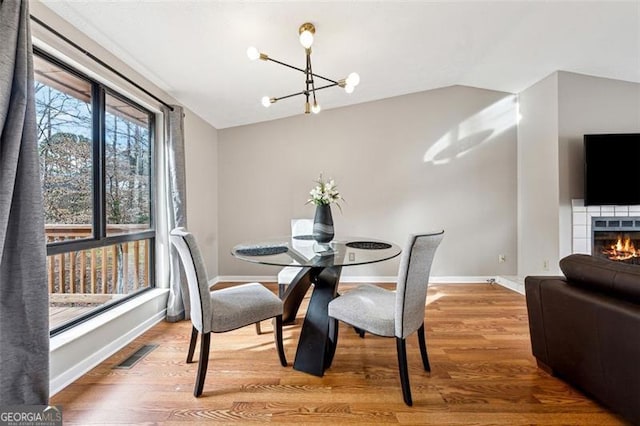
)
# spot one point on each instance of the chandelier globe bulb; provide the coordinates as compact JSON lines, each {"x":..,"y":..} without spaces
{"x":353,"y":79}
{"x":252,"y":53}
{"x":306,"y":32}
{"x":306,"y":39}
{"x":266,"y":101}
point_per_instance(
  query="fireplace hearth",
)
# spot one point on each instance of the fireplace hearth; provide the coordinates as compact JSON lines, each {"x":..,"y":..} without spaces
{"x":616,"y":238}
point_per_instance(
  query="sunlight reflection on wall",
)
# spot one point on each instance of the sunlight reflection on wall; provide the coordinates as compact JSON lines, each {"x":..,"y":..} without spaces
{"x":474,"y":131}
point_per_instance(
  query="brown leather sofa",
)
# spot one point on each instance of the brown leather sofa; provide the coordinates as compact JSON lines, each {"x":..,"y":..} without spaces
{"x":585,"y":329}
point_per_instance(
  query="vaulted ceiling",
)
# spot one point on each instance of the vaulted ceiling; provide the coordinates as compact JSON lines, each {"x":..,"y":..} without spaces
{"x":196,"y":50}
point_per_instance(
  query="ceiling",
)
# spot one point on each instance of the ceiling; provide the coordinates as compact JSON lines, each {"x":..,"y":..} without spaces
{"x":196,"y":50}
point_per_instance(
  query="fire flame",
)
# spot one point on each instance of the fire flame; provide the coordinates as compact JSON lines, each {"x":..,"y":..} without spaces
{"x":623,"y":249}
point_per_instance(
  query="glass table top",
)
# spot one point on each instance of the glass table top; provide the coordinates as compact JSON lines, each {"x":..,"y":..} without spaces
{"x":302,"y":251}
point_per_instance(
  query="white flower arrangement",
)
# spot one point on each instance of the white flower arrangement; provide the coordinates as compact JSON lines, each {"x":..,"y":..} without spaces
{"x":325,"y":193}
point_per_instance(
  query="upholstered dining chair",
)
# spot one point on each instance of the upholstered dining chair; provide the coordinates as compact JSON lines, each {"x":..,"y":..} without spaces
{"x":396,"y":313}
{"x":223,"y":310}
{"x":288,"y":273}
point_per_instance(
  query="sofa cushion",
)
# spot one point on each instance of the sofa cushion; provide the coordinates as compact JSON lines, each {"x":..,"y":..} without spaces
{"x":614,"y":278}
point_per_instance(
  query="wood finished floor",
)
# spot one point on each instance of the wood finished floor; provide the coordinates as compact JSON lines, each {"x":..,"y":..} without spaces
{"x":482,"y":373}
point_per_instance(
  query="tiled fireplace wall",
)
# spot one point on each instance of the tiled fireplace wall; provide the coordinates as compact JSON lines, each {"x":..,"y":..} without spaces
{"x":581,"y":220}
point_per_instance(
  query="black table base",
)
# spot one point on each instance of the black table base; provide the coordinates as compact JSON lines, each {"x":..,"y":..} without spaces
{"x":314,"y":336}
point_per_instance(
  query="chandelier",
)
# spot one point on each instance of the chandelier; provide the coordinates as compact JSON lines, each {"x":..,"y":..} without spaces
{"x":306,"y":31}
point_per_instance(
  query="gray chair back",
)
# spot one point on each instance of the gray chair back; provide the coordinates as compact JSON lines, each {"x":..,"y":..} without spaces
{"x":301,"y":227}
{"x":196,"y":273}
{"x":413,"y":279}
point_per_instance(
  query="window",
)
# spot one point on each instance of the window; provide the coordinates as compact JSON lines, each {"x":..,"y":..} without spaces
{"x":64,"y":117}
{"x":128,"y":167}
{"x":96,"y":157}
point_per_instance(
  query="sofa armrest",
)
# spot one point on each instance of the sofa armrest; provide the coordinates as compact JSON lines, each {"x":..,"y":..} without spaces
{"x":532,"y":285}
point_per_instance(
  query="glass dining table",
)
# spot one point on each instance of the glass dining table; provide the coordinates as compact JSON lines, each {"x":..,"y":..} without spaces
{"x":320,"y":265}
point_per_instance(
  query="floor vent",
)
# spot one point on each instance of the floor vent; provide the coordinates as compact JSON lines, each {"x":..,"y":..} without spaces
{"x":136,"y":356}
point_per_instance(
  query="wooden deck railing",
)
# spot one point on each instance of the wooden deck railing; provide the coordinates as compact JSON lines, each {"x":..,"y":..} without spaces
{"x":112,"y":270}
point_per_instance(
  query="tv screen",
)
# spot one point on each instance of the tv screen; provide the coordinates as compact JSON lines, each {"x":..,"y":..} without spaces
{"x":612,"y":169}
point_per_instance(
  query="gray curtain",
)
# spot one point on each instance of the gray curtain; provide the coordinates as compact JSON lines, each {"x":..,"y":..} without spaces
{"x":178,"y":303}
{"x":24,"y":298}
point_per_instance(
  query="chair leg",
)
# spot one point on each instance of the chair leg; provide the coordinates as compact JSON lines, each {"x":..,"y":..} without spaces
{"x":203,"y":363}
{"x":333,"y":342}
{"x":258,"y":329}
{"x":404,"y":372}
{"x":192,"y":344}
{"x":277,"y":328}
{"x":423,"y":348}
{"x":281,"y":289}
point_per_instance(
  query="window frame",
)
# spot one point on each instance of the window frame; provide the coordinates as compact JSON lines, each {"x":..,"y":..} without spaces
{"x":99,"y":236}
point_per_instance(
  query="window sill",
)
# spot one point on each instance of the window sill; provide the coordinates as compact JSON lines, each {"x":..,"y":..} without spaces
{"x":76,"y":351}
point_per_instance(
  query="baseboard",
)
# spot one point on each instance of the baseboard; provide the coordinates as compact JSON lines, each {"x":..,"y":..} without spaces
{"x":512,"y":283}
{"x":71,"y":354}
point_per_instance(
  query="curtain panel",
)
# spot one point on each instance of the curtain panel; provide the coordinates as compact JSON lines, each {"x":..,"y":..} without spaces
{"x":178,"y":302}
{"x":24,"y":298}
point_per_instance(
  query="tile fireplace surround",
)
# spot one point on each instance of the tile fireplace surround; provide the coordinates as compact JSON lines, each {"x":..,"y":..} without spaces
{"x":581,"y":217}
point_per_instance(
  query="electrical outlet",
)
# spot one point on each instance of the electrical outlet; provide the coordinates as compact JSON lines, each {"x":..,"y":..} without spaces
{"x":502,"y":258}
{"x":352,"y":257}
{"x":545,"y":265}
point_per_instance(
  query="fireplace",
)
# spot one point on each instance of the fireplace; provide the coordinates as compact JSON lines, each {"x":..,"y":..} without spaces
{"x":616,"y":238}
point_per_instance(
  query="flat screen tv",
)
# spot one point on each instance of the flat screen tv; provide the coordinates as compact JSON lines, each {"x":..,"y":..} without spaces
{"x":612,"y":169}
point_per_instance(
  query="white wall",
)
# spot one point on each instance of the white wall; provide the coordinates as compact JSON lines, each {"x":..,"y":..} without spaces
{"x":201,"y":162}
{"x":538,"y":178}
{"x":439,"y":159}
{"x":588,"y":105}
{"x":556,"y":113}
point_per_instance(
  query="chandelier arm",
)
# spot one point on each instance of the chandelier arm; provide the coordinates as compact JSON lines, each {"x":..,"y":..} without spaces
{"x":324,"y":78}
{"x":269,"y":58}
{"x":304,"y":92}
{"x":326,"y":86}
{"x":286,"y":65}
{"x":313,"y":84}
{"x":309,"y":76}
{"x":290,"y":96}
